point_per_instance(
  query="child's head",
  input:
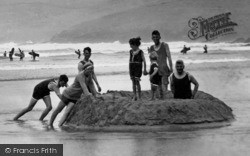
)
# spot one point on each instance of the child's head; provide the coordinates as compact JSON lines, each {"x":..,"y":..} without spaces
{"x":63,"y":80}
{"x":135,"y":42}
{"x":153,"y":56}
{"x":87,"y":52}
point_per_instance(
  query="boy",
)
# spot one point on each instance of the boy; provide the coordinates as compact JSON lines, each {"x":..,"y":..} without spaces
{"x":155,"y":77}
{"x":42,"y":91}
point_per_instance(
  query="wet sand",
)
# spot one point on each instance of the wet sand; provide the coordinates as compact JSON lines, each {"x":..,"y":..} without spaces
{"x":228,"y":81}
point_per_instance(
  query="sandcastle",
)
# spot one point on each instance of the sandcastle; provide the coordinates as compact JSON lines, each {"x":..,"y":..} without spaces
{"x":115,"y":108}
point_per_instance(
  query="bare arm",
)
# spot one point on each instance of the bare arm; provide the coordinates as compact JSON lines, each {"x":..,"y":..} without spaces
{"x":96,"y":82}
{"x":172,"y":84}
{"x":196,"y":85}
{"x":169,"y":57}
{"x":144,"y":63}
{"x":81,"y":78}
{"x":155,"y":71}
{"x":81,"y":66}
{"x":53,"y":87}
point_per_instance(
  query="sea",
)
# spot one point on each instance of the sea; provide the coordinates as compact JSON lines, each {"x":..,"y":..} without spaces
{"x":116,"y":53}
{"x":208,"y":139}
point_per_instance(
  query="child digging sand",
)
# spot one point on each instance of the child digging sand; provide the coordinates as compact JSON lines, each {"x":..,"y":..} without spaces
{"x":135,"y":65}
{"x":155,"y":78}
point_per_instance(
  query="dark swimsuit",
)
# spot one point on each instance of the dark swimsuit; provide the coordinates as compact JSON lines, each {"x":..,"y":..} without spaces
{"x":156,"y":79}
{"x":41,"y":90}
{"x":182,"y":88}
{"x":135,"y":65}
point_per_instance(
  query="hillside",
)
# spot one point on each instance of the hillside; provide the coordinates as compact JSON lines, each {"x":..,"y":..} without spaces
{"x":111,"y":20}
{"x":170,"y":17}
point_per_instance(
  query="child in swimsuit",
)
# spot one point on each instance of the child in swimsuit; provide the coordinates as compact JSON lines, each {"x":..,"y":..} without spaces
{"x":42,"y":91}
{"x":135,"y":65}
{"x":155,"y":77}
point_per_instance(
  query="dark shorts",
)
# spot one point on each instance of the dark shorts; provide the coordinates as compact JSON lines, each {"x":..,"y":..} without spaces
{"x":156,"y":80}
{"x":66,"y":101}
{"x":135,"y":70}
{"x":39,"y":93}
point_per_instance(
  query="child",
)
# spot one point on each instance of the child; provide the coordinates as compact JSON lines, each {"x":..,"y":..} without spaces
{"x":135,"y":65}
{"x":42,"y":91}
{"x":155,"y":78}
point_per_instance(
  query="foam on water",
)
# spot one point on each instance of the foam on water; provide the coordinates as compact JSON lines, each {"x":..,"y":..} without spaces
{"x":54,"y":49}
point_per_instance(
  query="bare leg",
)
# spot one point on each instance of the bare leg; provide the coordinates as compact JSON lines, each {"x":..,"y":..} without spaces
{"x":27,"y":109}
{"x":66,"y":113}
{"x":58,"y":109}
{"x":47,"y":102}
{"x":134,"y":89}
{"x":153,"y":89}
{"x":139,"y":88}
{"x":161,"y":91}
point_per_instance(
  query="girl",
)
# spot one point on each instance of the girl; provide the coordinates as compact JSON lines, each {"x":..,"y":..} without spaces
{"x":135,"y":65}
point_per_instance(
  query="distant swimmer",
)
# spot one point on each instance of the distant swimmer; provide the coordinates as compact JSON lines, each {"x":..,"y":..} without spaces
{"x":11,"y":53}
{"x":20,"y":54}
{"x":185,"y":49}
{"x":42,"y":91}
{"x":205,"y":49}
{"x":5,"y":54}
{"x":181,"y":82}
{"x":34,"y":54}
{"x":78,"y":52}
{"x":136,"y":63}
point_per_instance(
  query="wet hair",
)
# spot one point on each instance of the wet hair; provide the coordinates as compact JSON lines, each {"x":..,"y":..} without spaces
{"x":179,"y":62}
{"x":153,"y":56}
{"x":88,"y":49}
{"x":64,"y":78}
{"x":135,"y":41}
{"x":156,"y":32}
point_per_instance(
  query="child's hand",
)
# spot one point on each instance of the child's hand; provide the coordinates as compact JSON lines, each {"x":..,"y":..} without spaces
{"x":99,"y":88}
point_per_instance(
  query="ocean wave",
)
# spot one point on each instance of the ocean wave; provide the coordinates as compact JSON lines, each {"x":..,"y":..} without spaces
{"x":57,"y":49}
{"x":111,"y":64}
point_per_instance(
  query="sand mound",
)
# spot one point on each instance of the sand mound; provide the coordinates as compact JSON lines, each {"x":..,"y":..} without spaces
{"x":117,"y":108}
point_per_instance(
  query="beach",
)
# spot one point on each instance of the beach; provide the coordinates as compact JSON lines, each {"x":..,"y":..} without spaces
{"x":221,"y":73}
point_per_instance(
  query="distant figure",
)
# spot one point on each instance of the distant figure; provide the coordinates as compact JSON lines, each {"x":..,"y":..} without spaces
{"x":71,"y":94}
{"x":164,"y":59}
{"x":20,"y":54}
{"x":42,"y":91}
{"x":205,"y":49}
{"x":82,"y":66}
{"x":181,"y":82}
{"x":78,"y":52}
{"x":135,"y":65}
{"x":185,"y":49}
{"x":155,"y":77}
{"x":5,"y":54}
{"x":11,"y":53}
{"x":34,"y":54}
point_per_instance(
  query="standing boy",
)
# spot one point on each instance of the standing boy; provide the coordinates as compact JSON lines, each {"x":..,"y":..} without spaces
{"x":163,"y":53}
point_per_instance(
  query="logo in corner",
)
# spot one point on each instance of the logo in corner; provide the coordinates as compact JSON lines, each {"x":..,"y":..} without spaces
{"x":212,"y":27}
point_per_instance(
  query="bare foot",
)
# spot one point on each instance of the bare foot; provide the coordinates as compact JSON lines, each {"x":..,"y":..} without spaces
{"x":135,"y":98}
